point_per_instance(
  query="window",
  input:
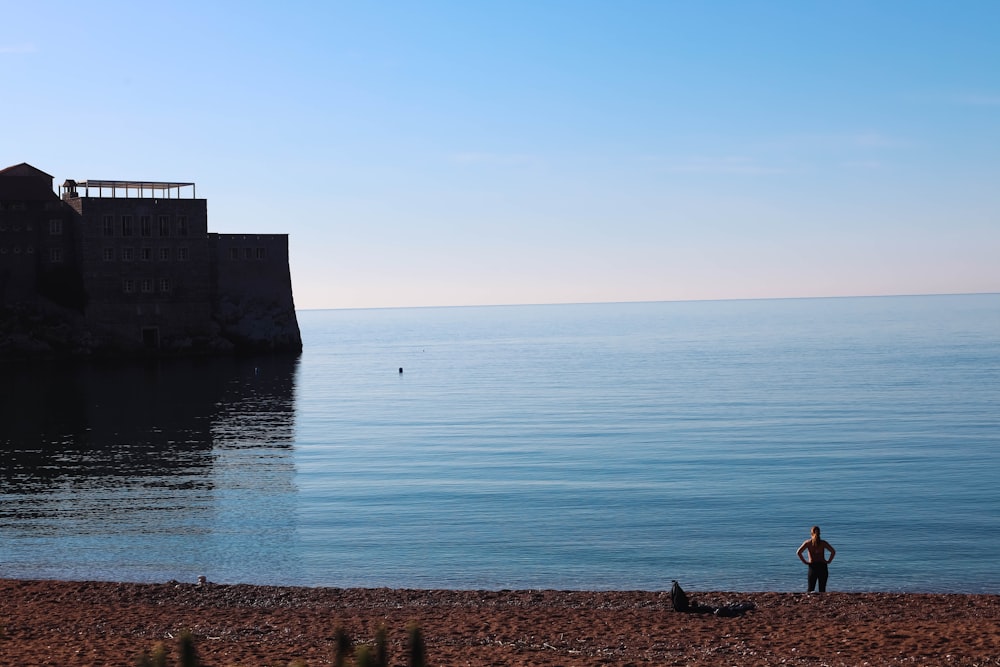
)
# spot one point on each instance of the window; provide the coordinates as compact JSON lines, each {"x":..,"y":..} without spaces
{"x":145,"y":226}
{"x":128,"y":286}
{"x":164,"y":285}
{"x":145,"y":254}
{"x":247,"y":253}
{"x":126,"y":225}
{"x":234,"y":253}
{"x":17,"y":250}
{"x":55,"y":226}
{"x":182,"y":254}
{"x":261,"y":253}
{"x":164,"y":254}
{"x":109,"y":225}
{"x":182,"y":225}
{"x":30,"y":250}
{"x":164,"y":225}
{"x":128,"y":254}
{"x":146,"y":285}
{"x":109,"y":255}
{"x":55,"y":255}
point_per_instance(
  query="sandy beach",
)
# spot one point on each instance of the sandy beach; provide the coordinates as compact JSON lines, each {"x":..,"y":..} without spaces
{"x":101,"y":623}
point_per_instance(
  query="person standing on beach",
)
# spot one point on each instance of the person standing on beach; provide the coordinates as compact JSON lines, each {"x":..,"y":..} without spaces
{"x":817,"y":548}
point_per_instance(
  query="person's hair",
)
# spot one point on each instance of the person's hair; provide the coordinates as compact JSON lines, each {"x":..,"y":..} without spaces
{"x":815,"y":534}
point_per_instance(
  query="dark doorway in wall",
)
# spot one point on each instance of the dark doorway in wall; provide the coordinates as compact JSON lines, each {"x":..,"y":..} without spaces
{"x":151,"y":338}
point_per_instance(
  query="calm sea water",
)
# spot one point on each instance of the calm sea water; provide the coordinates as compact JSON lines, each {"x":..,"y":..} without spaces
{"x":611,"y":446}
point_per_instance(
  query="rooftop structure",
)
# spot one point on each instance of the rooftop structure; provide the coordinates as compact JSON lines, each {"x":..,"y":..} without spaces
{"x":135,"y":189}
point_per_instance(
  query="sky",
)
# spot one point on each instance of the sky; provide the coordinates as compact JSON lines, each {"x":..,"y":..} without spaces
{"x":476,"y":152}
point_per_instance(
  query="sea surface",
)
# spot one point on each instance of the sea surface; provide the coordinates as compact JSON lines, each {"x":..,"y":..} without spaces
{"x":603,"y":446}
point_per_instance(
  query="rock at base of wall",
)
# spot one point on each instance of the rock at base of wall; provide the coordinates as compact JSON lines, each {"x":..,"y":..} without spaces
{"x":258,"y":325}
{"x":40,"y":330}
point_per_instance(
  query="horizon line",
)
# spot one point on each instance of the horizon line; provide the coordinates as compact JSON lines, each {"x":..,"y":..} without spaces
{"x":642,"y":301}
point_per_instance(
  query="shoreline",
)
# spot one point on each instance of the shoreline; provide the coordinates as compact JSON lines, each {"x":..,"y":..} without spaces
{"x":95,"y":623}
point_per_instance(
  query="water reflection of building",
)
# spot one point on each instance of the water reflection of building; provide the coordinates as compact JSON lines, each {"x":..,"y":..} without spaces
{"x":154,"y":463}
{"x":132,"y":421}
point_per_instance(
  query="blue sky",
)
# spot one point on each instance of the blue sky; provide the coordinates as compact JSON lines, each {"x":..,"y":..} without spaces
{"x":457,"y":153}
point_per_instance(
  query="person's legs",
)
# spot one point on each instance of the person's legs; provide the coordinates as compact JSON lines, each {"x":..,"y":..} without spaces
{"x":823,"y":575}
{"x":812,"y":577}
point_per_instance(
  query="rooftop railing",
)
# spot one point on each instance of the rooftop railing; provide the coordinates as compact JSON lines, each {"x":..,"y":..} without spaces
{"x":128,"y":189}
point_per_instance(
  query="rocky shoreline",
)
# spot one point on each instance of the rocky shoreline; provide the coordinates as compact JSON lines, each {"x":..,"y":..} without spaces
{"x":104,"y":623}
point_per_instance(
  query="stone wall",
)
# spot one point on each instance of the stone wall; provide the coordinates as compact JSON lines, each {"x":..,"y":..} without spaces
{"x":252,"y":286}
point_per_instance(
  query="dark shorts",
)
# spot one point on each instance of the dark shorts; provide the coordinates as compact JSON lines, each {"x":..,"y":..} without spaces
{"x":818,"y":574}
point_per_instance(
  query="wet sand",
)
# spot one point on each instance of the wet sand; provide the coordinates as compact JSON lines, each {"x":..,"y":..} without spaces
{"x":100,"y":623}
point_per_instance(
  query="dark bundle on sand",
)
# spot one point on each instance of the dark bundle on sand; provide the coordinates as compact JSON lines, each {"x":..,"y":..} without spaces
{"x":679,"y":599}
{"x":91,"y":623}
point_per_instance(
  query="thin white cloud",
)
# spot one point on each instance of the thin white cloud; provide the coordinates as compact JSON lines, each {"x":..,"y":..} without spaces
{"x":862,"y":164}
{"x":837,"y":140}
{"x":966,"y":99}
{"x":17,"y":48}
{"x":724,"y":165}
{"x":872,"y":140}
{"x":978,"y":100}
{"x":492,"y":158}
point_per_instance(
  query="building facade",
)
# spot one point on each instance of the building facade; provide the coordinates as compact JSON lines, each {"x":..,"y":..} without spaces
{"x":37,"y":243}
{"x":138,"y":264}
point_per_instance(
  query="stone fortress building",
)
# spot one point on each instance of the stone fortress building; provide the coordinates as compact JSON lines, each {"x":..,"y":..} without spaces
{"x":112,"y":268}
